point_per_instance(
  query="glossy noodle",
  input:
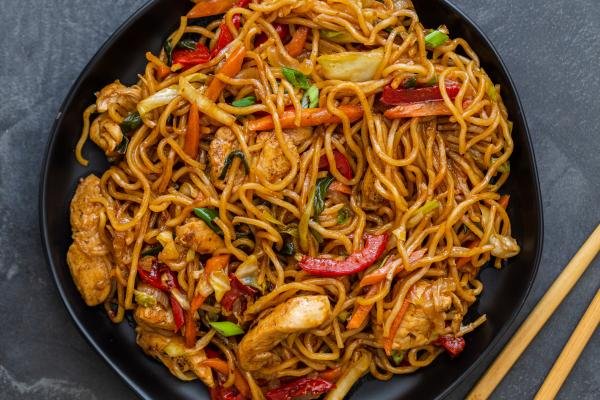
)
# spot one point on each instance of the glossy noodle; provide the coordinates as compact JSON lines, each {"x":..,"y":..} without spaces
{"x":300,"y":193}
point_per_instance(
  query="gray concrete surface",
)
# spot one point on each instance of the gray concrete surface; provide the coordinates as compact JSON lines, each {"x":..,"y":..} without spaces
{"x":551,"y":48}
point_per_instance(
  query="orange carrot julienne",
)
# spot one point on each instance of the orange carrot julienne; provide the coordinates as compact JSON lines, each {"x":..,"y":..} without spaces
{"x":191,"y":330}
{"x":420,"y":109}
{"x":296,"y":44}
{"x":361,"y":311}
{"x":192,"y":135}
{"x":310,"y":117}
{"x":504,"y":201}
{"x":340,"y":187}
{"x":216,"y":263}
{"x":221,"y":366}
{"x":388,"y":342}
{"x":231,"y":67}
{"x":205,"y":8}
{"x":380,"y":273}
{"x":331,"y":375}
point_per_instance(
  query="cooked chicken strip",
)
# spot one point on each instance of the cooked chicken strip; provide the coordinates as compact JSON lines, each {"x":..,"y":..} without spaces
{"x":298,"y":314}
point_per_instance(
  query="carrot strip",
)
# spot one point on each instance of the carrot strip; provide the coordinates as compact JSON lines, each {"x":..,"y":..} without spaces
{"x":340,"y":187}
{"x":191,"y":330}
{"x":216,"y":263}
{"x":192,"y":135}
{"x":310,"y":117}
{"x":222,"y":367}
{"x":205,"y":8}
{"x":231,"y":67}
{"x":162,"y":69}
{"x":380,"y":273}
{"x":504,"y":201}
{"x":361,"y":311}
{"x":388,"y":342}
{"x":296,"y":44}
{"x":420,"y":109}
{"x":331,"y":375}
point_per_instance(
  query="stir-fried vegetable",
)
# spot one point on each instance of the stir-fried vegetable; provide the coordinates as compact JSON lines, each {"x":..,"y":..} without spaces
{"x":247,"y":272}
{"x":343,"y":215}
{"x":188,"y":58}
{"x":300,"y":388}
{"x":357,"y":368}
{"x":355,"y":66}
{"x":187,"y":44}
{"x":282,"y":31}
{"x":428,"y":207}
{"x":398,"y":357}
{"x":229,"y":160}
{"x":231,"y":67}
{"x":397,"y":96}
{"x":122,"y":147}
{"x":453,"y":345}
{"x":204,"y":103}
{"x":311,"y":97}
{"x":435,"y":38}
{"x":192,"y":135}
{"x":361,"y":311}
{"x":421,"y":109}
{"x":238,"y":291}
{"x":341,"y":163}
{"x":504,"y":246}
{"x":244,"y":102}
{"x":207,"y":8}
{"x":295,"y":77}
{"x":225,"y":36}
{"x":144,"y":299}
{"x":320,"y":193}
{"x":151,"y":251}
{"x":131,"y":122}
{"x":158,"y":99}
{"x":208,"y":215}
{"x":220,"y":283}
{"x":310,"y":117}
{"x":296,"y":45}
{"x":227,"y":328}
{"x":381,"y":273}
{"x":356,"y":262}
{"x":388,"y":341}
{"x":337,"y":36}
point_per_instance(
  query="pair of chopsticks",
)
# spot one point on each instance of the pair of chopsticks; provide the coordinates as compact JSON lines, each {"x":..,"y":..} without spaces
{"x":536,"y":320}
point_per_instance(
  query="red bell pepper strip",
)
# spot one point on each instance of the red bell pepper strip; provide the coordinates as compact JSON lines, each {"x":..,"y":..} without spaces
{"x":453,"y":345}
{"x":397,"y":96}
{"x":282,"y":30}
{"x":162,"y":278}
{"x":177,"y":313}
{"x":303,"y":387}
{"x":189,"y":58}
{"x":225,"y":35}
{"x":221,"y":393}
{"x":341,"y":163}
{"x":238,"y":289}
{"x":356,"y":262}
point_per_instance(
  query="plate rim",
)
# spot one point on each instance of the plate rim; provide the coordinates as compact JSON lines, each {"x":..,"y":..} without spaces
{"x":493,"y":349}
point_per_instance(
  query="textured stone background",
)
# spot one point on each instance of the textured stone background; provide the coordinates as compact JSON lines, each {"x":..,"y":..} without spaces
{"x":551,"y":48}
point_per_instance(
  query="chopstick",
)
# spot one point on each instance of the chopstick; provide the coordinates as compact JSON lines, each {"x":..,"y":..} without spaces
{"x":569,"y":355}
{"x":538,"y":317}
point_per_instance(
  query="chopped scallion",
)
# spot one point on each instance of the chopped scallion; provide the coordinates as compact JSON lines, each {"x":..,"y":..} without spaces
{"x":244,"y":102}
{"x":311,"y":97}
{"x":227,"y":328}
{"x":295,"y":77}
{"x":435,"y":38}
{"x":208,"y":215}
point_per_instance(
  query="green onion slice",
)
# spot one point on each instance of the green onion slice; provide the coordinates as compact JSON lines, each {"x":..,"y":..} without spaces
{"x":227,"y":328}
{"x":295,"y":77}
{"x":208,"y":215}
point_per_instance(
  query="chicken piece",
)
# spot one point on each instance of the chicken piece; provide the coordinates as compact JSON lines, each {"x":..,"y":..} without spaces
{"x":272,"y":163}
{"x":107,"y":134}
{"x":154,"y":317}
{"x":223,"y":143}
{"x":298,"y":135}
{"x":116,"y":92}
{"x":88,"y":255}
{"x":298,"y":314}
{"x":171,"y":351}
{"x":504,"y":246}
{"x":198,"y":236}
{"x":425,"y":316}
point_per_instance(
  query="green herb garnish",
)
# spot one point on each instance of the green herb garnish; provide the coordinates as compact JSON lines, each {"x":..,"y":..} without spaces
{"x":208,"y":215}
{"x":311,"y":97}
{"x":435,"y":38}
{"x":227,"y":328}
{"x":131,"y":122}
{"x":244,"y":102}
{"x":229,"y":161}
{"x":343,"y":215}
{"x":295,"y":77}
{"x":320,"y":193}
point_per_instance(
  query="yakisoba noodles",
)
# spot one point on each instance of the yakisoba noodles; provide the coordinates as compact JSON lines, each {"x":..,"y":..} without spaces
{"x":300,"y":193}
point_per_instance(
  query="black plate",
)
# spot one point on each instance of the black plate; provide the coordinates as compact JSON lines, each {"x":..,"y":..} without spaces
{"x":122,"y":56}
